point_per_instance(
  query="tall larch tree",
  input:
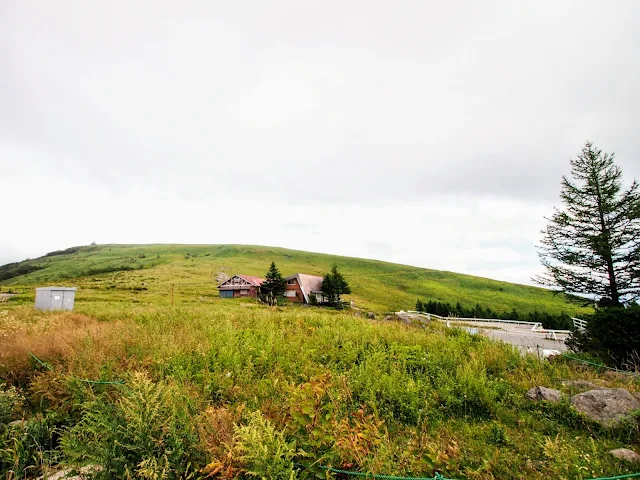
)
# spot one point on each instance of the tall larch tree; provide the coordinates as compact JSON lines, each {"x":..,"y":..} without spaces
{"x":591,"y":247}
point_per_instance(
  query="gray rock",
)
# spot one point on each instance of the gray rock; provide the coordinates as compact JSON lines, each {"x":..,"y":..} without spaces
{"x":81,"y":473}
{"x":371,"y":316}
{"x":606,"y":406}
{"x":59,"y":475}
{"x":544,"y":393}
{"x":18,"y":423}
{"x":637,"y":395}
{"x":625,"y":454}
{"x":581,"y":384}
{"x":407,"y":317}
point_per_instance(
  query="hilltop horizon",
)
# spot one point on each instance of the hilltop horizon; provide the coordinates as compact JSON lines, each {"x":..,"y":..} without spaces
{"x":376,"y":284}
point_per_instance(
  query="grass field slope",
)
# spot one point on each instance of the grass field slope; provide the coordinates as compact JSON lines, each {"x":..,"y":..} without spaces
{"x":137,"y":386}
{"x":111,"y":271}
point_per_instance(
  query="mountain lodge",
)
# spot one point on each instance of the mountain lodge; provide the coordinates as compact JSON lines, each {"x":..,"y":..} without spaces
{"x":240,"y":286}
{"x":299,"y":287}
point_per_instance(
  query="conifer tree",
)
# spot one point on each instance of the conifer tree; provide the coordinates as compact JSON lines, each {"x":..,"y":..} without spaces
{"x":592,"y":246}
{"x":334,"y":285}
{"x":340,"y":284}
{"x":274,"y":284}
{"x":328,"y":290}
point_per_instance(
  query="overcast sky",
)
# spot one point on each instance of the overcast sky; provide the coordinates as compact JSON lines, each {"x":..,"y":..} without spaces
{"x":429,"y":133}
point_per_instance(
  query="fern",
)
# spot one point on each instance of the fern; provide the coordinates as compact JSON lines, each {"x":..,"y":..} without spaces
{"x":149,"y":432}
{"x":263,"y":450}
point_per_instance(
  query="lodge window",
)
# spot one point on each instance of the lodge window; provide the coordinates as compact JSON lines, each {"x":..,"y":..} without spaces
{"x":290,"y":293}
{"x":291,"y":282}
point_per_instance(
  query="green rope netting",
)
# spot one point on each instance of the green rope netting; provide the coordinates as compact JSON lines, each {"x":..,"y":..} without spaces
{"x":439,"y":476}
{"x":94,"y":382}
{"x":597,"y":365}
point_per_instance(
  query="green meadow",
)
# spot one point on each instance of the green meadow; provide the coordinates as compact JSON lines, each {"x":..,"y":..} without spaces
{"x":142,"y":383}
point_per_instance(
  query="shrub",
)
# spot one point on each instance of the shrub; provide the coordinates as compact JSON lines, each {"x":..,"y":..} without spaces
{"x":312,"y":414}
{"x":28,"y":447}
{"x":468,"y":392}
{"x":386,"y":382}
{"x":498,"y":435}
{"x":67,"y":251}
{"x":612,"y":334}
{"x":313,"y":299}
{"x":10,"y":403}
{"x":149,"y":432}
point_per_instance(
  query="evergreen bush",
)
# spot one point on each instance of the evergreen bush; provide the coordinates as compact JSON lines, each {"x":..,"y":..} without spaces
{"x":613,"y":335}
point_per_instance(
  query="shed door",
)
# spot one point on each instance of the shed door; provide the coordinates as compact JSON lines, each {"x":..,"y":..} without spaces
{"x":56,"y":300}
{"x":67,"y":297}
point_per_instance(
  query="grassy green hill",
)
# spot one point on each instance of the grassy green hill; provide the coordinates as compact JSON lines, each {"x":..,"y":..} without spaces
{"x":113,"y":271}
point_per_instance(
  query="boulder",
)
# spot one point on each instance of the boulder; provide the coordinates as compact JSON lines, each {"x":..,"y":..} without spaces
{"x":59,"y":475}
{"x":544,"y":393}
{"x":18,"y":423}
{"x":371,"y":315}
{"x":408,"y":317}
{"x":625,"y":454}
{"x":82,"y":473}
{"x":551,"y":354}
{"x":637,"y":395}
{"x":606,"y":406}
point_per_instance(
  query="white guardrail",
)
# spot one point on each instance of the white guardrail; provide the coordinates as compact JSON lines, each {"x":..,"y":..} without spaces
{"x":535,"y":326}
{"x":578,"y":323}
{"x":463,"y":319}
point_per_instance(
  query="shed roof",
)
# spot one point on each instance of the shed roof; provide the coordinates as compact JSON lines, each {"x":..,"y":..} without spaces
{"x":57,"y":288}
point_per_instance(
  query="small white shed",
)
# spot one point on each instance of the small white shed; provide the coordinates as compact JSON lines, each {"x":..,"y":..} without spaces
{"x":55,"y":298}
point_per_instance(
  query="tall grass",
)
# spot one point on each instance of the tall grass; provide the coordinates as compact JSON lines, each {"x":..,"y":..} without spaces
{"x":233,"y":389}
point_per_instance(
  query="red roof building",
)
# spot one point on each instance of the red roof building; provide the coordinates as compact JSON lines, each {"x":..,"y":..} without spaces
{"x":240,"y":286}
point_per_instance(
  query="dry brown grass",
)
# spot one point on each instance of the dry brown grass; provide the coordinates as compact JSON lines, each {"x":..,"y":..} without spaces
{"x":78,"y":342}
{"x":216,"y":429}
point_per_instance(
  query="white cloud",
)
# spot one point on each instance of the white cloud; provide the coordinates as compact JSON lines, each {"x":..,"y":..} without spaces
{"x":148,"y":119}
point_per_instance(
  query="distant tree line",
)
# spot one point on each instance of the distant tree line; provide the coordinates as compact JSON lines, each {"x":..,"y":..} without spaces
{"x":444,"y":309}
{"x":67,"y":251}
{"x":11,"y":270}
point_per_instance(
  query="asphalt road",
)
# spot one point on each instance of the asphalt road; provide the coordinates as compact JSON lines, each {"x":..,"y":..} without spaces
{"x":518,"y":335}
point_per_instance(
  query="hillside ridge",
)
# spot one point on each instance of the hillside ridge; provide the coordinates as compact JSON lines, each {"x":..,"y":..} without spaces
{"x":193,"y":269}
